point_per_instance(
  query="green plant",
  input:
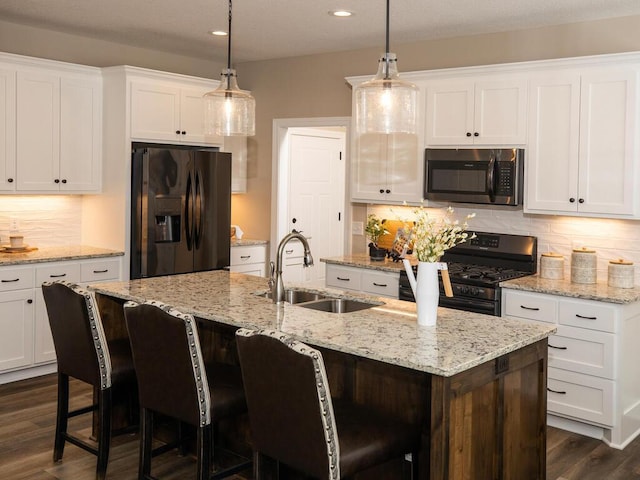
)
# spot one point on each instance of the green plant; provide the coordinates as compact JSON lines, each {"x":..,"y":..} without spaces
{"x":375,"y":228}
{"x":432,"y":236}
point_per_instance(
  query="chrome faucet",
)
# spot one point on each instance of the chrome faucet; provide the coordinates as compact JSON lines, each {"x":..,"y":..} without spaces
{"x":275,"y":280}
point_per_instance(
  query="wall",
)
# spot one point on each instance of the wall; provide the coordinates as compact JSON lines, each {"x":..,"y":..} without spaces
{"x":611,"y":239}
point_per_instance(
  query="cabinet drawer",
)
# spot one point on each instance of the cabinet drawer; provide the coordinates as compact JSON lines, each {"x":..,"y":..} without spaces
{"x":247,"y":254}
{"x":16,"y":278}
{"x":293,"y":249}
{"x":530,"y":306}
{"x":580,"y":396}
{"x":585,"y":314}
{"x":250,"y":269}
{"x":50,"y":273}
{"x":380,"y":283}
{"x":343,"y":277}
{"x":583,"y":351}
{"x":99,"y":270}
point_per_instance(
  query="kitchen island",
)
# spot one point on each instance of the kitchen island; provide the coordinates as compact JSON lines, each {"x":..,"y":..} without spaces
{"x":476,"y":383}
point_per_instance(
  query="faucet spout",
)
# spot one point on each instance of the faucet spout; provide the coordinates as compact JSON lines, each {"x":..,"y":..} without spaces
{"x":275,"y":282}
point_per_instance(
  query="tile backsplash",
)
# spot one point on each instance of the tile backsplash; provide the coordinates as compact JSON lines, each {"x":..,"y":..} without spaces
{"x":44,"y":220}
{"x":610,"y":238}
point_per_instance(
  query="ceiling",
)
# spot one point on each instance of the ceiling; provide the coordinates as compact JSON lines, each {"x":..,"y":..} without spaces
{"x":268,"y":29}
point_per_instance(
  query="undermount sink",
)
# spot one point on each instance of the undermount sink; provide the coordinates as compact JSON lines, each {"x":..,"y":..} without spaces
{"x":338,"y":305}
{"x":293,"y":296}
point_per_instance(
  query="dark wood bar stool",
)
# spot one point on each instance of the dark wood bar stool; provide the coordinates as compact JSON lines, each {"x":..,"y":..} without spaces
{"x":294,"y":420}
{"x":173,"y":381}
{"x":83,"y":353}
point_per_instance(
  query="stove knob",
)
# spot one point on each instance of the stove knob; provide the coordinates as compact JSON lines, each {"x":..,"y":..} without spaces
{"x":464,"y":289}
{"x":474,"y":291}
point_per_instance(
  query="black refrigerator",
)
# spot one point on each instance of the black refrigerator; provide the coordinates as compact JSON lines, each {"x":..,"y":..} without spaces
{"x":180,"y":209}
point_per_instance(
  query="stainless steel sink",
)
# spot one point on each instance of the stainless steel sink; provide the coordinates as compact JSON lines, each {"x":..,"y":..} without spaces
{"x":297,"y":296}
{"x":338,"y":305}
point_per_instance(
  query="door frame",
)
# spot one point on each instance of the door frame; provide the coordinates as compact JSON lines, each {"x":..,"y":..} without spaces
{"x":280,"y":174}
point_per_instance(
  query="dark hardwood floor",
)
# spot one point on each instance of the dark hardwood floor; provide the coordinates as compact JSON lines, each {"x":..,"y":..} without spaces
{"x":27,"y":421}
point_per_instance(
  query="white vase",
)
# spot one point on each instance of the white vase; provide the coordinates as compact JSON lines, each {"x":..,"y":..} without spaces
{"x":427,"y":293}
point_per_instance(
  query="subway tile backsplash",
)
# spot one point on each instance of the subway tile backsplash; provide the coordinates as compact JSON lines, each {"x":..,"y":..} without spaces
{"x":611,"y":238}
{"x":44,"y":220}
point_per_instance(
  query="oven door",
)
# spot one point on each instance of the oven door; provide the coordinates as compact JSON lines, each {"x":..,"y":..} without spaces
{"x":476,"y":305}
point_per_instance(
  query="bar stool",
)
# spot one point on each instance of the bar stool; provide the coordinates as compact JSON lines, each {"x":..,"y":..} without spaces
{"x":173,"y":381}
{"x":294,"y":420}
{"x":83,"y":353}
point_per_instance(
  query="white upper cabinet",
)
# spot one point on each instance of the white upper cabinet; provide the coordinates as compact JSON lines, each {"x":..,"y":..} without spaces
{"x":7,"y":129}
{"x":582,"y":143}
{"x":50,"y":126}
{"x":169,"y":113}
{"x":480,"y":111}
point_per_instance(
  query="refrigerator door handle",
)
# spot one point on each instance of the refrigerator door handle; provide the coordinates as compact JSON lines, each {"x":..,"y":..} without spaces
{"x":198,"y":209}
{"x":188,"y":212}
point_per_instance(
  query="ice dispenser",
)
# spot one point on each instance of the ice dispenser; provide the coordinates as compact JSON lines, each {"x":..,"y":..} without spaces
{"x":167,"y":219}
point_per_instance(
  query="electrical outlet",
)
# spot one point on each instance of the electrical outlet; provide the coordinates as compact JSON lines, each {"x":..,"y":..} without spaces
{"x":14,"y":224}
{"x":357,"y":228}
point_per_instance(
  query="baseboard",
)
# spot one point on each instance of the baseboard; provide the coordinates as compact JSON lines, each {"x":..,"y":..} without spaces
{"x":25,"y":373}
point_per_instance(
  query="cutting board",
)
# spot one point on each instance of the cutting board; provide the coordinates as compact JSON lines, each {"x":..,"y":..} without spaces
{"x":392,"y":226}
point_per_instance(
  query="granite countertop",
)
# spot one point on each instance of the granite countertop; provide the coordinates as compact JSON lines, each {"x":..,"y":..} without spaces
{"x":362,"y":260}
{"x":56,"y":254}
{"x":599,"y":291}
{"x":388,"y":332}
{"x":247,"y":242}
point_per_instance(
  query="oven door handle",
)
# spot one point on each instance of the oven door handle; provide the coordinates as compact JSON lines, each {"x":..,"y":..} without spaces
{"x":491,"y":179}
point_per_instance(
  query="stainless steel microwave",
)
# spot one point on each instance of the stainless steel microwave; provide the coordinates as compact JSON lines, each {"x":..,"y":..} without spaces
{"x":475,"y":175}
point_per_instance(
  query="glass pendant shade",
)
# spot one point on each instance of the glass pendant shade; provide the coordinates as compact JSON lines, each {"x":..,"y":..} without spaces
{"x":229,"y":111}
{"x":386,"y":104}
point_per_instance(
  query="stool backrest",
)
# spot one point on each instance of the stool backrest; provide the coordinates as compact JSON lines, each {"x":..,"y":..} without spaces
{"x":168,"y":361}
{"x":78,"y":336}
{"x":289,"y":402}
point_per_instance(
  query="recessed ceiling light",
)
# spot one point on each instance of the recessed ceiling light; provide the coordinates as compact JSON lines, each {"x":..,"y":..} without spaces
{"x":219,"y":33}
{"x":340,"y":13}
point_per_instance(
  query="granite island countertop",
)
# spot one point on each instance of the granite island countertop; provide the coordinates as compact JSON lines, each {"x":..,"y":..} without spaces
{"x":362,"y":260}
{"x":599,"y":291}
{"x":387,"y":332}
{"x":56,"y":254}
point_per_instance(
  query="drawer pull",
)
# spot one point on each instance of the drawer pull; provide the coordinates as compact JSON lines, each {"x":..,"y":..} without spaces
{"x":288,"y":252}
{"x":557,"y":348}
{"x":535,"y":309}
{"x":101,"y":271}
{"x":58,"y":276}
{"x":586,"y":318}
{"x":380,"y":284}
{"x":556,"y":391}
{"x":245,"y":256}
{"x":11,"y":281}
{"x":343,"y":279}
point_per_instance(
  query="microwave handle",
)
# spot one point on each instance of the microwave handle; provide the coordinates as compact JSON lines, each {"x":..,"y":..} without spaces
{"x":491,"y":179}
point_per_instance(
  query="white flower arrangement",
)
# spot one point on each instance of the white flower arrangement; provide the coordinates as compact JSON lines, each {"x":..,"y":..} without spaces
{"x":433,"y":236}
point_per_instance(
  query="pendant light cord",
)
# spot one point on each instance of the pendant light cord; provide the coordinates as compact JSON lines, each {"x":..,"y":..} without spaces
{"x":229,"y":50}
{"x":386,"y":55}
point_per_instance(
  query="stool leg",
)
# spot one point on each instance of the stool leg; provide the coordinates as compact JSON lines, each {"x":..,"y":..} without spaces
{"x":146,"y":438}
{"x":104,"y":439}
{"x":204,"y":452}
{"x":61,"y":416}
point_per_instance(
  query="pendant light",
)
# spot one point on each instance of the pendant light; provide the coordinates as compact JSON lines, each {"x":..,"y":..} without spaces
{"x":386,"y":104}
{"x":229,"y":111}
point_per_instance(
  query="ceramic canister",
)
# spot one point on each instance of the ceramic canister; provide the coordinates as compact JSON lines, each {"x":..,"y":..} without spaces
{"x":551,"y":266}
{"x":621,"y":274}
{"x":583,"y":266}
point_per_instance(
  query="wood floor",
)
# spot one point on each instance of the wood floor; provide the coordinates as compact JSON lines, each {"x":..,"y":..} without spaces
{"x":27,"y":421}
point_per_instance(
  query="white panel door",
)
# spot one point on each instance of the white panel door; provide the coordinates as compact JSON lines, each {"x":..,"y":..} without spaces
{"x":450,"y":113}
{"x":7,"y":130}
{"x":369,"y":172}
{"x":155,"y":112}
{"x":38,"y":131}
{"x":500,"y":112}
{"x":192,"y":117}
{"x":316,"y":199}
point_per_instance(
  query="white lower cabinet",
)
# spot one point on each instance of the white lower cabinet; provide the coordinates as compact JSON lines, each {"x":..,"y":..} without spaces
{"x":594,"y":363}
{"x":25,"y":335}
{"x":249,"y":259}
{"x":376,"y":282}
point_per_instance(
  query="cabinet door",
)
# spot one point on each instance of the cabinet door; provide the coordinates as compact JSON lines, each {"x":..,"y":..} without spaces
{"x":405,"y":167}
{"x":38,"y":131}
{"x":500,"y":112}
{"x":7,"y":130}
{"x":552,"y":155}
{"x":192,"y":117}
{"x":608,"y":143}
{"x":44,"y":349}
{"x":369,"y":172}
{"x":237,"y":147}
{"x":80,"y":134}
{"x":155,"y":112}
{"x":450,"y":113}
{"x":16,"y":329}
